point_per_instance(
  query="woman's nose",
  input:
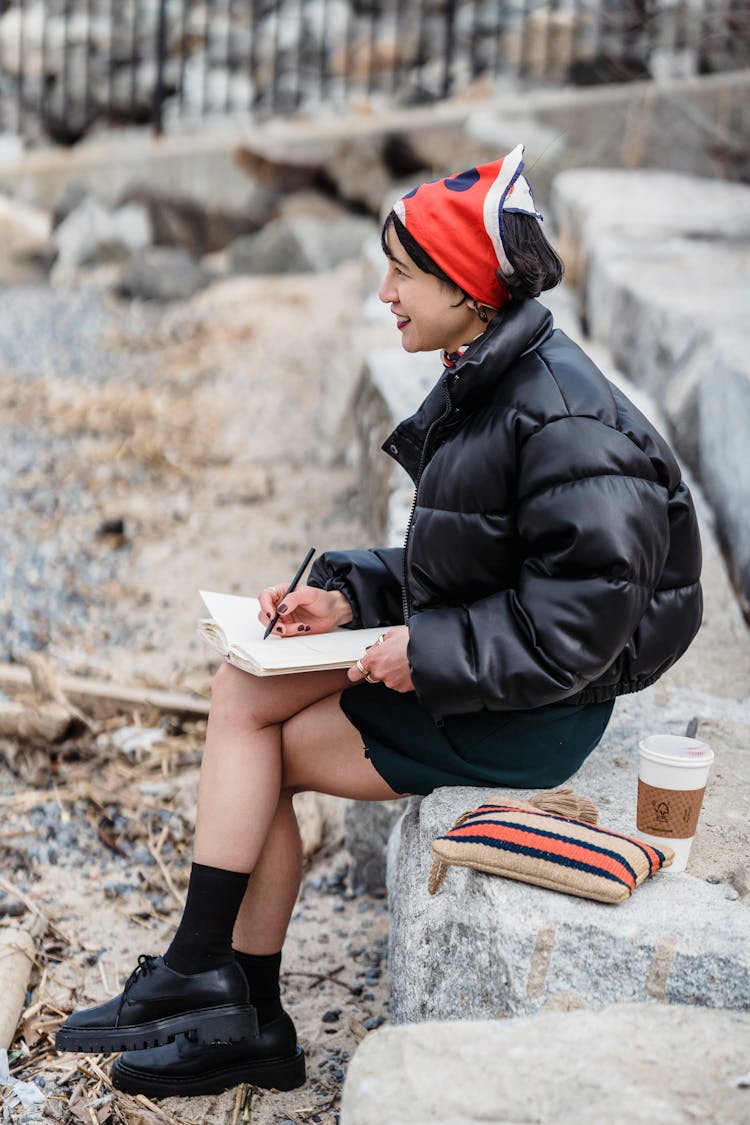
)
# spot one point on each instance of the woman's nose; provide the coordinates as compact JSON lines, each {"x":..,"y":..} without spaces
{"x":387,"y":292}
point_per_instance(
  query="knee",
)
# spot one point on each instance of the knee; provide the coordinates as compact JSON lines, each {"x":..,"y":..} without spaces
{"x":227,"y":682}
{"x":232,"y":693}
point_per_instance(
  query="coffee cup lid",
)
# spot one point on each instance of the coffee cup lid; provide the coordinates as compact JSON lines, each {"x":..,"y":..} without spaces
{"x":676,"y":749}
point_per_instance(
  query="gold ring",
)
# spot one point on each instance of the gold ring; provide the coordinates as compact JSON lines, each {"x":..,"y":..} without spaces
{"x":365,"y":672}
{"x":380,"y":639}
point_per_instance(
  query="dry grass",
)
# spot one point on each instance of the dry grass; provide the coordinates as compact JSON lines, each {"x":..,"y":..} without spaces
{"x":108,"y":783}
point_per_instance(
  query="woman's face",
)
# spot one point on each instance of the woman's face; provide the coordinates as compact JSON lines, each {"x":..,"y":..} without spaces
{"x":426,"y":312}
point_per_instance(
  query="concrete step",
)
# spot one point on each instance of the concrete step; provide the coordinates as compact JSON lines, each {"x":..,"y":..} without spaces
{"x":638,"y":1064}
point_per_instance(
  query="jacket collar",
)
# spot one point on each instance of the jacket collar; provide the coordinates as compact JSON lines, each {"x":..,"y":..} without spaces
{"x":520,"y":327}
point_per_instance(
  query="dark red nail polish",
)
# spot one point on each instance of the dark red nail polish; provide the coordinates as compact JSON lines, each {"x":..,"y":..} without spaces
{"x":300,"y":628}
{"x":278,"y":629}
{"x":268,"y":615}
{"x":282,"y":609}
{"x":307,"y":628}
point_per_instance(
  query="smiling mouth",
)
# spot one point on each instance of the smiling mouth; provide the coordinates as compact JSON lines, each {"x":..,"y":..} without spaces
{"x":402,"y":323}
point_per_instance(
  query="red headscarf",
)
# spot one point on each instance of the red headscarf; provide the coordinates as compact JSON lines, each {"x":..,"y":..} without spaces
{"x":458,"y":222}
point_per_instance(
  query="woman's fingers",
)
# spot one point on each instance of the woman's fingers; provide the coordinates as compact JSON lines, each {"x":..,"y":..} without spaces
{"x":269,"y":599}
{"x":356,"y":673}
{"x":386,"y":662}
{"x":302,"y":611}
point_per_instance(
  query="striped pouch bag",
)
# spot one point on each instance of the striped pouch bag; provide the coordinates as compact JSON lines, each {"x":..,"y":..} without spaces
{"x":524,"y":841}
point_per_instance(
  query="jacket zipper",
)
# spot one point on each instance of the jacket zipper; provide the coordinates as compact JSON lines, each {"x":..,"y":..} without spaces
{"x":420,"y":470}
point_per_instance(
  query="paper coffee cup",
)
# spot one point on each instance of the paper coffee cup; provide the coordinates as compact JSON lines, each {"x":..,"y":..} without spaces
{"x":672,"y":774}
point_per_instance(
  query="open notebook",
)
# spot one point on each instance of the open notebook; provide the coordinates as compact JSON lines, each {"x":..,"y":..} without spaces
{"x":233,"y":628}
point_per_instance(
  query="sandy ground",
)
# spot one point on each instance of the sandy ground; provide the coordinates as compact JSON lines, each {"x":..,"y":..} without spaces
{"x":225,"y":455}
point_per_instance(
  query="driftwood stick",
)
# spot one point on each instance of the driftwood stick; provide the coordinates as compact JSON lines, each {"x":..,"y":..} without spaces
{"x":83,"y":690}
{"x":47,"y":686}
{"x":47,"y":722}
{"x":17,"y":952}
{"x":41,"y":921}
{"x":52,"y":718}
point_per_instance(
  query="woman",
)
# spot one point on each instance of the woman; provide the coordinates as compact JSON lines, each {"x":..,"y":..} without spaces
{"x":551,"y":564}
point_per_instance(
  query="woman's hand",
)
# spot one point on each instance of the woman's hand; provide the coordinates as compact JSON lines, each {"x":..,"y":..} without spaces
{"x":387,"y":661}
{"x":306,"y":610}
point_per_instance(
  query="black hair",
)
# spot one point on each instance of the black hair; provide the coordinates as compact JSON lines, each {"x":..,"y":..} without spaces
{"x":537,"y":265}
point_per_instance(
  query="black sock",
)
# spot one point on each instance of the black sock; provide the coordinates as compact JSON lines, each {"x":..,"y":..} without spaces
{"x":262,"y":972}
{"x":204,"y":936}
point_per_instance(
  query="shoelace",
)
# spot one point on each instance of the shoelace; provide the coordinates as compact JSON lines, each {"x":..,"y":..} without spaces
{"x":144,"y":968}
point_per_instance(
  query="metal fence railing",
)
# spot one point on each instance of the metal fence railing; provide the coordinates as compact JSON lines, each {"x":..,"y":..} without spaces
{"x":68,"y":64}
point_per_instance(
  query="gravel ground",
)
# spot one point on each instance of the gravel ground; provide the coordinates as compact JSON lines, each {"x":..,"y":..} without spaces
{"x":55,"y":344}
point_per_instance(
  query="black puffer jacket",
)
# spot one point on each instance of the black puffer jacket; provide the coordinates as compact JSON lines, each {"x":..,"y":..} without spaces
{"x":553,"y":553}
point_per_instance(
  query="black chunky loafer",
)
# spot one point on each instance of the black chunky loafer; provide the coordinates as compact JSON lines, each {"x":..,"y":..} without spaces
{"x":186,"y":1068}
{"x":158,"y":1004}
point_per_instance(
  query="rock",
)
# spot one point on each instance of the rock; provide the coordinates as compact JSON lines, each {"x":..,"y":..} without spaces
{"x":359,"y":174}
{"x":724,"y":426}
{"x":278,"y":171}
{"x":299,"y":244}
{"x":355,"y":170}
{"x":651,"y":252}
{"x":525,"y":946}
{"x":367,"y":826}
{"x":531,"y":948}
{"x":625,"y":1065}
{"x":73,"y":194}
{"x":24,"y":240}
{"x":90,"y":234}
{"x":162,"y":274}
{"x":198,"y":225}
{"x":392,"y":386}
{"x":309,"y":808}
{"x":640,"y":206}
{"x":654,"y":305}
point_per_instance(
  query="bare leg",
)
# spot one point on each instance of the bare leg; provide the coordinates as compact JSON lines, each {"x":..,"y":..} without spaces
{"x":272,"y":892}
{"x":254,"y":720}
{"x":266,"y":740}
{"x":267,"y":907}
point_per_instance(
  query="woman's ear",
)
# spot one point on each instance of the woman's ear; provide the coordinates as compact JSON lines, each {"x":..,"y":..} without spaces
{"x":481,"y":311}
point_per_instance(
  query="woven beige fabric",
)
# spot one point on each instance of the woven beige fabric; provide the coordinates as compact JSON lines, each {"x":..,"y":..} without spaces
{"x":560,"y":853}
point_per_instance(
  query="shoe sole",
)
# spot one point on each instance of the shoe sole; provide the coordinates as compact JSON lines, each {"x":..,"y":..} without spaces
{"x":228,"y":1024}
{"x":268,"y":1074}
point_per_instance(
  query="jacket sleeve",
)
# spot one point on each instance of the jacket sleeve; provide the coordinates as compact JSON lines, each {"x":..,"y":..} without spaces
{"x":369,"y":580}
{"x":593,"y":543}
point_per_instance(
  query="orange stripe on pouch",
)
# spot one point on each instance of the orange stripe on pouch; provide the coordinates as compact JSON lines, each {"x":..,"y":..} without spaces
{"x":528,"y":838}
{"x":493,"y":810}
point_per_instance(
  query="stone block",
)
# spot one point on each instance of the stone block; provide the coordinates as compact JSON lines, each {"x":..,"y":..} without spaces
{"x":488,"y":947}
{"x":367,"y":826}
{"x":392,"y":386}
{"x":654,"y":303}
{"x":624,"y":1065}
{"x":299,"y":244}
{"x":644,"y":207}
{"x":91,"y":234}
{"x":723,"y":437}
{"x":652,"y":252}
{"x":162,"y":273}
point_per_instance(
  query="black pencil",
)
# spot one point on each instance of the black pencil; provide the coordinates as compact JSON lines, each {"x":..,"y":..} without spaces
{"x":292,"y":586}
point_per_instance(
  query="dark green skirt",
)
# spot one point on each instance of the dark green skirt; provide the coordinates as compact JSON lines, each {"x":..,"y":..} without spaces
{"x":514,"y":749}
